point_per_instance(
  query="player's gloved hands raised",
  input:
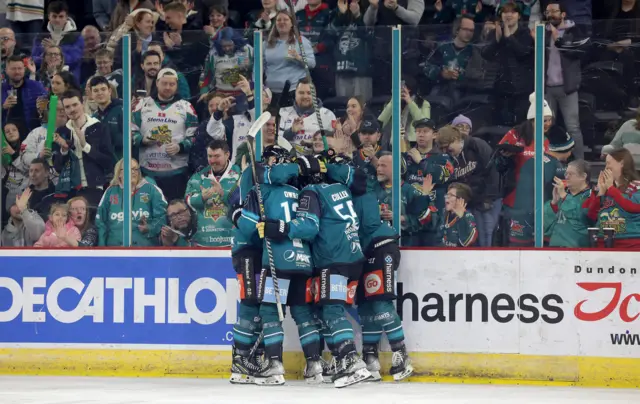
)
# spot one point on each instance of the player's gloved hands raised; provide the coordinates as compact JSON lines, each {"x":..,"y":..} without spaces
{"x":275,"y":230}
{"x":310,"y":165}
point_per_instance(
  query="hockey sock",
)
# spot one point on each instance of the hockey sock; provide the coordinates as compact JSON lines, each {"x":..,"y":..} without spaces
{"x":387,"y":317}
{"x":308,"y":330}
{"x":273,"y":332}
{"x":246,"y":329}
{"x":371,"y":330}
{"x":341,"y":332}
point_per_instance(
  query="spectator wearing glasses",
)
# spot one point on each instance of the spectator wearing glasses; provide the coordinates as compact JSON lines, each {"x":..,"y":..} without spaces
{"x":52,"y":64}
{"x":456,"y":226}
{"x":474,"y":166}
{"x":104,"y":68}
{"x":511,"y":47}
{"x":571,"y":210}
{"x":566,"y":46}
{"x":148,"y":210}
{"x":62,"y":33}
{"x":182,"y":225}
{"x":447,"y":66}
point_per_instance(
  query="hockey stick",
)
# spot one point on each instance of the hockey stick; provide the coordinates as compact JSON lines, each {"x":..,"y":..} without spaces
{"x":303,"y":54}
{"x":255,"y":128}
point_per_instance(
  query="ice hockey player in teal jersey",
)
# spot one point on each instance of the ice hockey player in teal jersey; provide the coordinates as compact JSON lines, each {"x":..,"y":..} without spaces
{"x":327,"y":220}
{"x":246,"y":256}
{"x":522,"y":214}
{"x":377,"y":285}
{"x":291,"y":259}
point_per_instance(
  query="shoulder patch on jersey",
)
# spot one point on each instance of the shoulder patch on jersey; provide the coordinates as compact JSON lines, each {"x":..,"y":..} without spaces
{"x":304,"y":203}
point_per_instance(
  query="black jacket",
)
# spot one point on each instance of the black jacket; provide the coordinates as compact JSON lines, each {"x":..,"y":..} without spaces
{"x":474,"y":167}
{"x":573,"y":47}
{"x":515,"y":57}
{"x":99,"y":162}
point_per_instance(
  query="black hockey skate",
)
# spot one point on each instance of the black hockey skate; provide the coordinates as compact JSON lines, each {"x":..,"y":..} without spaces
{"x":350,"y":370}
{"x":272,"y":374}
{"x":244,"y":369}
{"x":313,"y":371}
{"x":401,"y":367}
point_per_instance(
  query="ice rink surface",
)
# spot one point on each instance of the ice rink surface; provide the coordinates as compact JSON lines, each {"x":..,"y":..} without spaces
{"x":76,"y":390}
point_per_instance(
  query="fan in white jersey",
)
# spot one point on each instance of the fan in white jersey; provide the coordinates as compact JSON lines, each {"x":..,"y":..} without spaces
{"x":299,"y":123}
{"x":163,"y":127}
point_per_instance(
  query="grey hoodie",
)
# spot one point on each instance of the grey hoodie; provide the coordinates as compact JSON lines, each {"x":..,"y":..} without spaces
{"x":25,"y":233}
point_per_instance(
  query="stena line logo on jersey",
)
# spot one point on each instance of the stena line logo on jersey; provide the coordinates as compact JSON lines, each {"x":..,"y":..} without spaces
{"x":118,"y":300}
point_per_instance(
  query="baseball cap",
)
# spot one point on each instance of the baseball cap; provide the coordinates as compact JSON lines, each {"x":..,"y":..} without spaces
{"x":424,"y":123}
{"x":370,"y":125}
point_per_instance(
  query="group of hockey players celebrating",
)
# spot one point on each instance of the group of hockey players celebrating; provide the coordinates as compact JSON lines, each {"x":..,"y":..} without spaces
{"x":308,"y":235}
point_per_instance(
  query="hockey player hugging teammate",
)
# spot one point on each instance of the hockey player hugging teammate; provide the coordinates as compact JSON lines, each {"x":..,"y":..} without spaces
{"x":326,"y":219}
{"x":291,"y":259}
{"x":377,"y":286}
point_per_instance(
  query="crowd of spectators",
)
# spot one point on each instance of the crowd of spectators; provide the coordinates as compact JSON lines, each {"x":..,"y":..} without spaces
{"x":467,"y":115}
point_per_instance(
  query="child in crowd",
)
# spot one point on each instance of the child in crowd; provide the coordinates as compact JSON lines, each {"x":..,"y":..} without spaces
{"x":59,"y":230}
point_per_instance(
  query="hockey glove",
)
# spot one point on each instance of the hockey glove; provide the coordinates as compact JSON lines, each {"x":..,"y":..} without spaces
{"x":310,"y":165}
{"x":276,"y":230}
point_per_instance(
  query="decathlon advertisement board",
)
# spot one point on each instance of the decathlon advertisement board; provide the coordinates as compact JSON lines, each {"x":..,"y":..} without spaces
{"x":119,"y":297}
{"x":576,"y":303}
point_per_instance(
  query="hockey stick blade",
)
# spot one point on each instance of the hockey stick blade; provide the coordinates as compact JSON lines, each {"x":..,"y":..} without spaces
{"x":258,"y":124}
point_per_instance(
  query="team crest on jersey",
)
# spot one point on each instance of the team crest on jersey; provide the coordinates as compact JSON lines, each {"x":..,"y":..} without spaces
{"x":161,"y":134}
{"x":215,"y":209}
{"x":144,"y":197}
{"x":113,"y":199}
